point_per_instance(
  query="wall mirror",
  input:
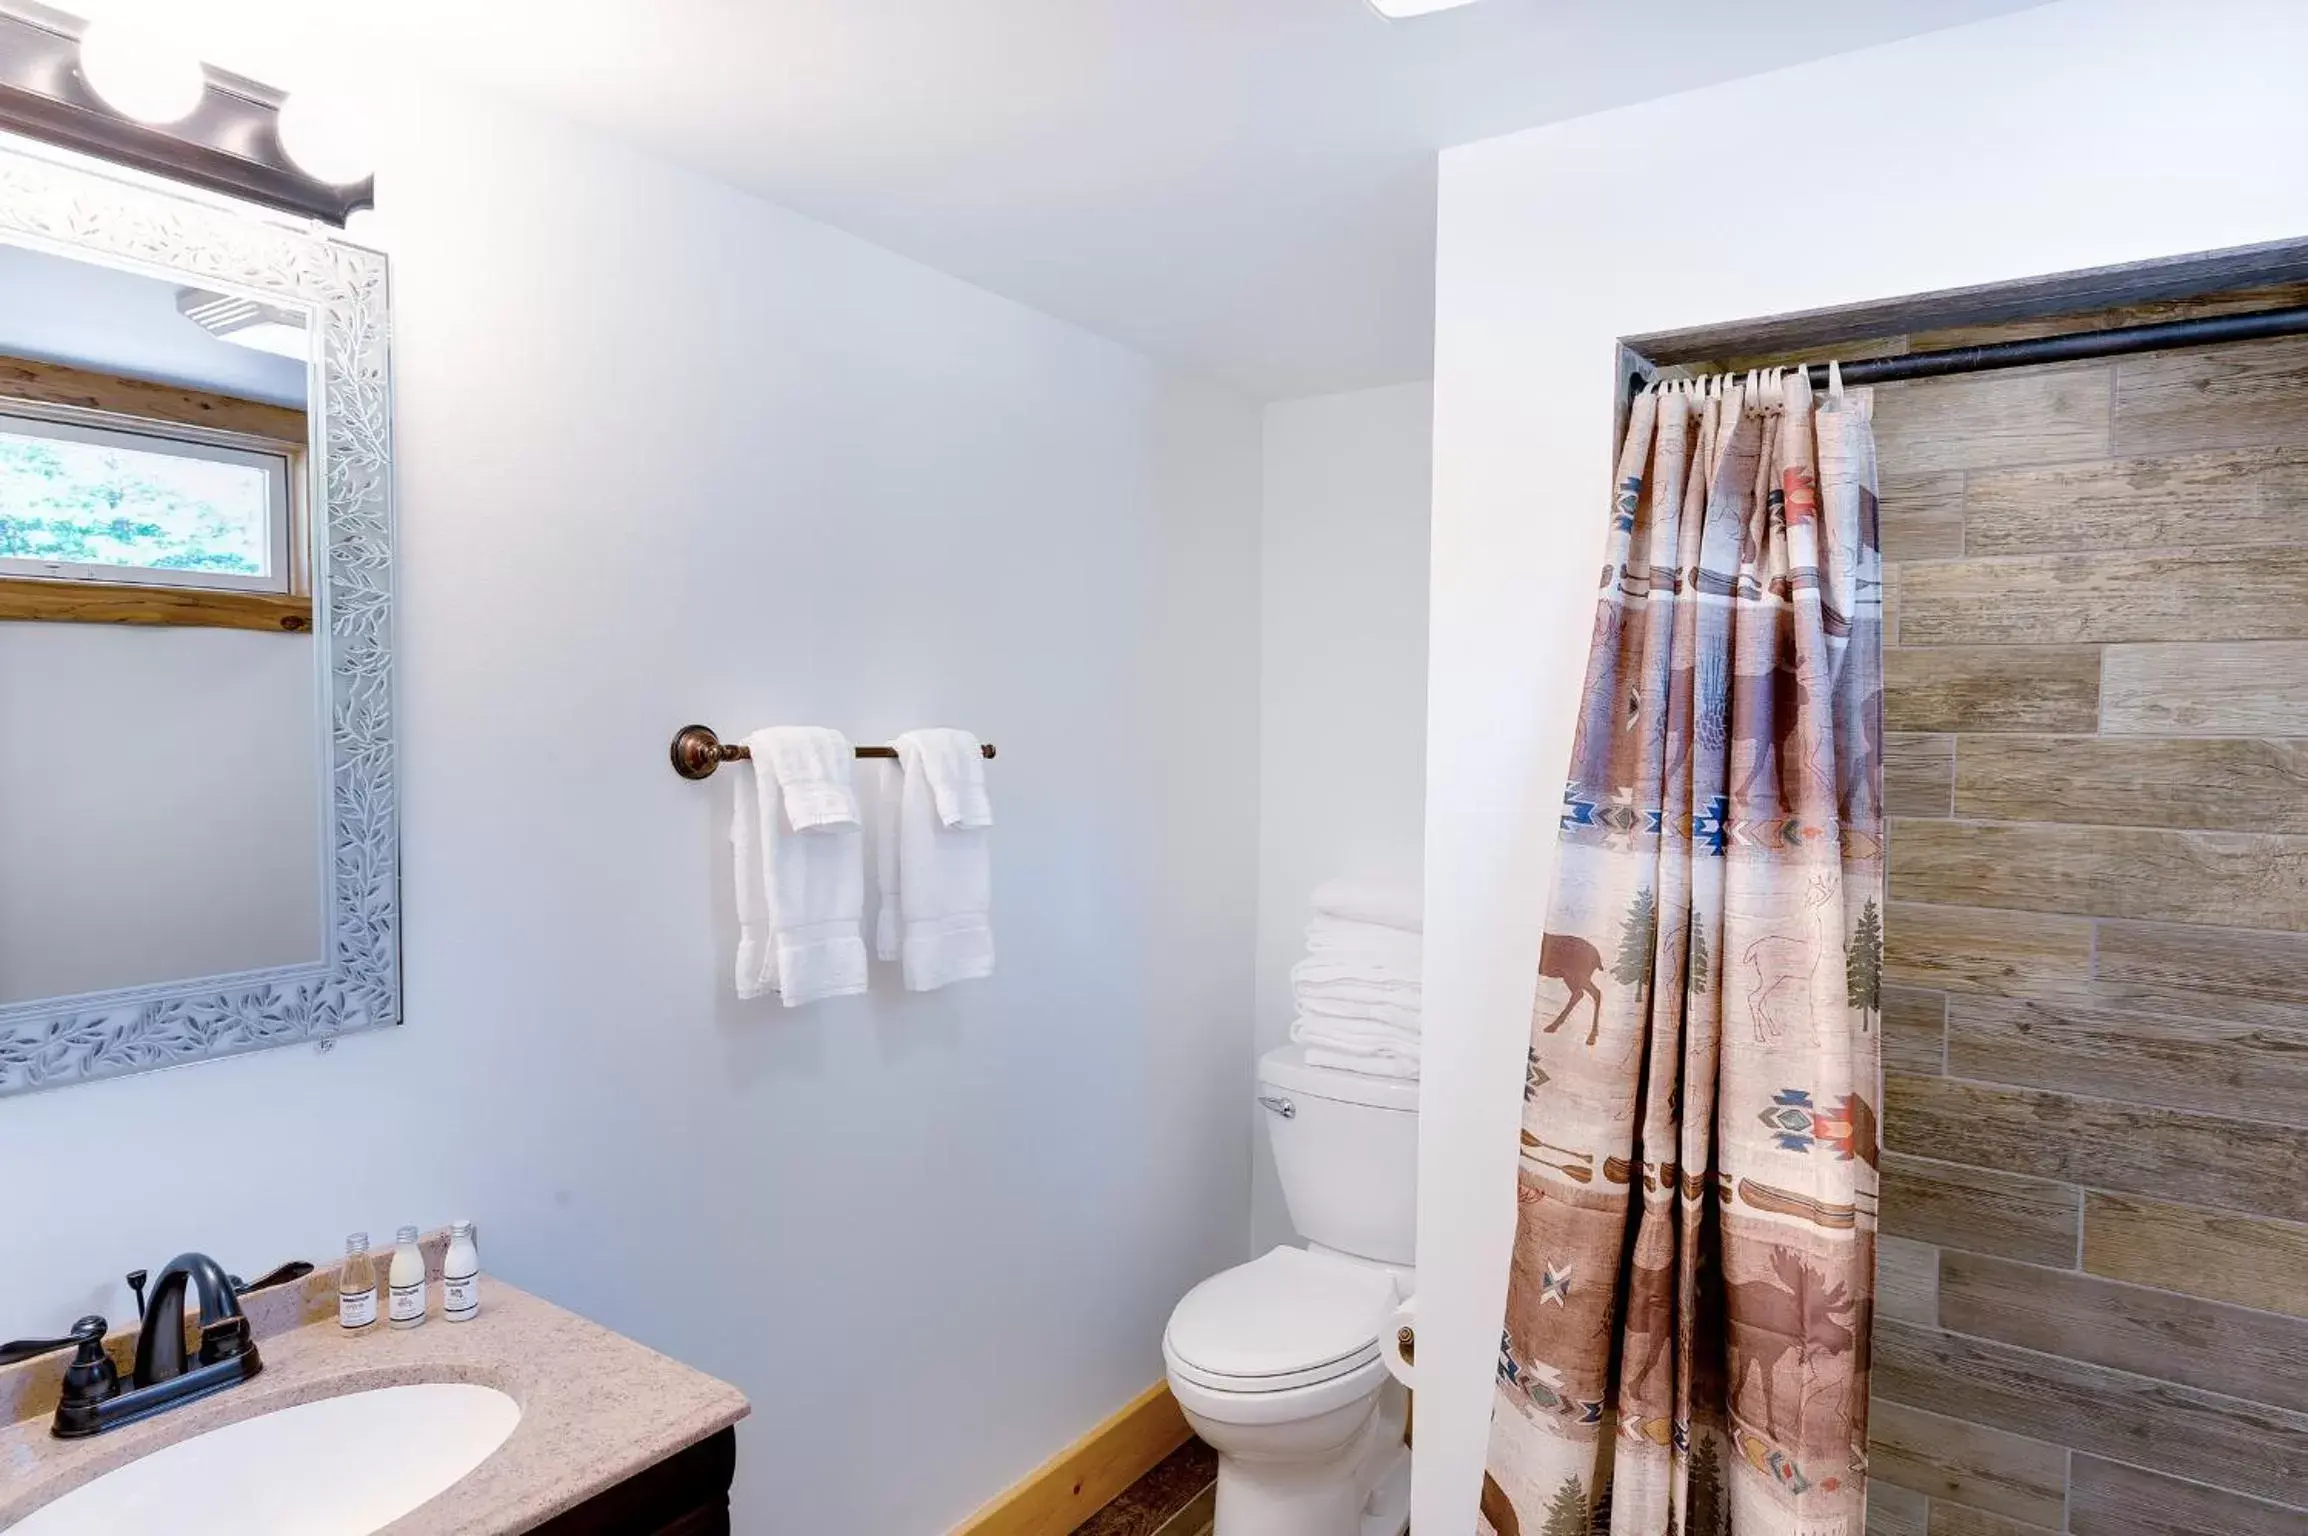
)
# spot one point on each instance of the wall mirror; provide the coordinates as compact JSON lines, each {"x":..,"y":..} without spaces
{"x":198,"y":838}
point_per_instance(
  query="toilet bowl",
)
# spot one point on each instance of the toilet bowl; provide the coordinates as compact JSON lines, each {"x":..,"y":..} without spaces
{"x":1277,"y":1363}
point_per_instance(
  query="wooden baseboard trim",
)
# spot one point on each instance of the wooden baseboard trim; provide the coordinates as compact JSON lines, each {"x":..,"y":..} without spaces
{"x":1084,"y":1477}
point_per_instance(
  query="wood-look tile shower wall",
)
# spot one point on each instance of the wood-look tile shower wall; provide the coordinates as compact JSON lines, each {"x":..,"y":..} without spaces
{"x":2093,"y":1300}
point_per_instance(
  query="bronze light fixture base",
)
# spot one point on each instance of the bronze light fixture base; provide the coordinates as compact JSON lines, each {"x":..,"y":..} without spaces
{"x":230,"y":143}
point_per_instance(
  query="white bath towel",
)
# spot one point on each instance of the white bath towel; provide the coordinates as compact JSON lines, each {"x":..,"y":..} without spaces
{"x":1375,"y":1065}
{"x":1348,"y":1002}
{"x":1338,"y":938}
{"x":1403,"y":1017}
{"x":935,"y":862}
{"x":1359,"y":990}
{"x":800,"y":893}
{"x":1350,"y":977}
{"x":1357,"y":1045}
{"x":1353,"y":1034}
{"x":1359,"y":901}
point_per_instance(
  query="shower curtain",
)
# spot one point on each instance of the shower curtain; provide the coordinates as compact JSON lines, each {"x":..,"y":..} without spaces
{"x":1686,"y":1334}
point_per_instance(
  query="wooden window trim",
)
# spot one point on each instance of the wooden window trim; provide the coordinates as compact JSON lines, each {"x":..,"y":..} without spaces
{"x":32,"y":382}
{"x":38,"y":383}
{"x":93,"y":602}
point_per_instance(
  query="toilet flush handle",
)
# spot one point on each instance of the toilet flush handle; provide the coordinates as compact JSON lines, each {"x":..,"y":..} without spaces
{"x":1280,"y":1106}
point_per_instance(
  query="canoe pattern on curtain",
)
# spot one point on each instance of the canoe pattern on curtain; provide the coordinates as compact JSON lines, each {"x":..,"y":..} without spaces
{"x":1686,"y":1334}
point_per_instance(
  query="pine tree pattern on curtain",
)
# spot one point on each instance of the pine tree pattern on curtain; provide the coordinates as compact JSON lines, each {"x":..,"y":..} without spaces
{"x":1686,"y":1333}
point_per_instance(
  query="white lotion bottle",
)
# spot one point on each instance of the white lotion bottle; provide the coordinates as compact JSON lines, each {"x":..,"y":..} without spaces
{"x":461,"y":1275}
{"x":405,"y":1282}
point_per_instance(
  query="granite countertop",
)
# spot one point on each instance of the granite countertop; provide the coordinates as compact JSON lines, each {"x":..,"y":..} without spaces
{"x":596,"y":1408}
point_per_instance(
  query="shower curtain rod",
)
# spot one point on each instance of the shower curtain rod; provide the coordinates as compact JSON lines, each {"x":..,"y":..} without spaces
{"x":2075,"y":346}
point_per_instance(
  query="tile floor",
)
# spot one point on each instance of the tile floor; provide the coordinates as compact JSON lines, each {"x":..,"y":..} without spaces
{"x":1177,"y":1498}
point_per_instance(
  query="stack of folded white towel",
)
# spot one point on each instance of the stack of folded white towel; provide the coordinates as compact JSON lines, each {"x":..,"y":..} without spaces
{"x":800,"y":856}
{"x":1357,"y":990}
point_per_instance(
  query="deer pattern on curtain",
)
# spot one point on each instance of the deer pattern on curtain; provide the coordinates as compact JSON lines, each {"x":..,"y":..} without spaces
{"x":1686,"y":1335}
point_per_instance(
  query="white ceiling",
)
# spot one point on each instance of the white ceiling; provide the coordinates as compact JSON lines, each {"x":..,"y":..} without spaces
{"x":1243,"y":187}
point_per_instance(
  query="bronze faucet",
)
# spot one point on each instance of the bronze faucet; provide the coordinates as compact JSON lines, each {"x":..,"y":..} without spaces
{"x":94,"y":1401}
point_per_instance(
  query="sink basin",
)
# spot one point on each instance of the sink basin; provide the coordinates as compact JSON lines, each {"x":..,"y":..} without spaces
{"x":342,"y":1466}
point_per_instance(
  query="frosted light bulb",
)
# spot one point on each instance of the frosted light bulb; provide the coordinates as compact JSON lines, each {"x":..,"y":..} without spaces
{"x":139,"y":75}
{"x":328,"y":137}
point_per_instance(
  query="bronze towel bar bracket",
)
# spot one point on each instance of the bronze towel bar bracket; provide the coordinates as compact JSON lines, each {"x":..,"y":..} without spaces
{"x":697,"y":751}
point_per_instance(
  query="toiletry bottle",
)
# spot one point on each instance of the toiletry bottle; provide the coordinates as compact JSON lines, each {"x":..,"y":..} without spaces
{"x":357,"y":1285}
{"x":461,"y":1275}
{"x":405,"y":1282}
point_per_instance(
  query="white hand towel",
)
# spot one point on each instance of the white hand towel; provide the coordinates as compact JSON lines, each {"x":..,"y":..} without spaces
{"x":1360,"y":902}
{"x":936,"y":873}
{"x":800,"y":893}
{"x":957,"y":771}
{"x":816,"y":771}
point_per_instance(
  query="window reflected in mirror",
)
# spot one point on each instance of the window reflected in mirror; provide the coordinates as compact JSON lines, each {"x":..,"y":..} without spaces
{"x":161,"y":752}
{"x":141,"y":505}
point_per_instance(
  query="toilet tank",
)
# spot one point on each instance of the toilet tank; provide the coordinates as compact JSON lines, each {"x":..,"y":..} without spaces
{"x":1346,"y":1149}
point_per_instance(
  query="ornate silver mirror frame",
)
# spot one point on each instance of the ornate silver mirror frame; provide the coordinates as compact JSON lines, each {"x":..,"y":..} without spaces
{"x":69,"y":209}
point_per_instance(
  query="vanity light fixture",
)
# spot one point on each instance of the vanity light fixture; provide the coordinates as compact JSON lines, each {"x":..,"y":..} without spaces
{"x":246,"y":323}
{"x":111,"y":89}
{"x":141,"y":75}
{"x":327,"y":137}
{"x":1403,"y":10}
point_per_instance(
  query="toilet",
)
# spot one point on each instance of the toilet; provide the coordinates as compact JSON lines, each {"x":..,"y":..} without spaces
{"x":1279,"y":1363}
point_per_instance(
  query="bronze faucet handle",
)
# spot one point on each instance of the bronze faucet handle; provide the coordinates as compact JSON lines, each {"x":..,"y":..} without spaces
{"x":224,"y":1339}
{"x":91,"y":1377}
{"x":88,"y":1327}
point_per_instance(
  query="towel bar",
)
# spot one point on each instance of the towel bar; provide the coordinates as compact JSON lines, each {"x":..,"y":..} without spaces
{"x":697,"y":751}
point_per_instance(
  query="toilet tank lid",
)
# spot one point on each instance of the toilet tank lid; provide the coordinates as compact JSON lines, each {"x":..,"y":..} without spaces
{"x":1287,"y":1068}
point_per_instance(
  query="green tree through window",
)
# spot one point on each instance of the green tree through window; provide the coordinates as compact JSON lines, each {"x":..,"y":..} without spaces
{"x":97,"y":503}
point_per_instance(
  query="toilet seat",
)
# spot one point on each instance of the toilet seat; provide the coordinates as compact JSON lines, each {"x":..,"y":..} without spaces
{"x":1287,"y":1320}
{"x":1288,"y":1407}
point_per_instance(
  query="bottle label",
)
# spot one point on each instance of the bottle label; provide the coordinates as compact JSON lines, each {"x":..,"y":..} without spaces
{"x":357,"y":1309}
{"x":460,"y":1296}
{"x":407,"y":1304}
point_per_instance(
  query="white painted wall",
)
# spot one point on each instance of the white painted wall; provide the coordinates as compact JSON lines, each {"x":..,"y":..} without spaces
{"x":669,"y":453}
{"x":2077,"y":135}
{"x":1342,"y":679}
{"x":160,"y":805}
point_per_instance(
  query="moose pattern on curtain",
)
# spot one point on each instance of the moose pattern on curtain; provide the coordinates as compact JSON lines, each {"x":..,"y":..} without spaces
{"x":1686,"y":1333}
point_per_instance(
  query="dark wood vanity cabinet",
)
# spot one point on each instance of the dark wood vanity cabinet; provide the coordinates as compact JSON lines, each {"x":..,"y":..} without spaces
{"x":686,"y":1494}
